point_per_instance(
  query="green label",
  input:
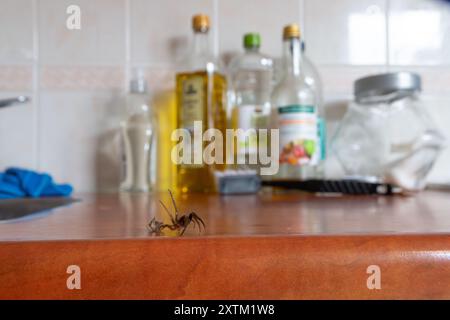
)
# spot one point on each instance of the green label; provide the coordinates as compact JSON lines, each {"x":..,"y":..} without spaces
{"x":296,"y":109}
{"x":323,"y":138}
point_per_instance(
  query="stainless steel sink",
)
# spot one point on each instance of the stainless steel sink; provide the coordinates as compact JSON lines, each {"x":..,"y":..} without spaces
{"x":18,"y":208}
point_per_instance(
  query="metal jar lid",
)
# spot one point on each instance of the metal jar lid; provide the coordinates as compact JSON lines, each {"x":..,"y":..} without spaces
{"x":391,"y":86}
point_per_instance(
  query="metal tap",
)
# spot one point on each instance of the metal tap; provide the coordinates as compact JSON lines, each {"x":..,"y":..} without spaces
{"x":13,"y":101}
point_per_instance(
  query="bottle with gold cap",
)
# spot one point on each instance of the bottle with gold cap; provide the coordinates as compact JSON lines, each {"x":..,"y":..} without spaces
{"x":201,"y":98}
{"x":295,"y":112}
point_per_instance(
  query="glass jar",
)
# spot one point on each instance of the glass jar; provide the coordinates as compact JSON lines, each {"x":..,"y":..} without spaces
{"x":386,"y":134}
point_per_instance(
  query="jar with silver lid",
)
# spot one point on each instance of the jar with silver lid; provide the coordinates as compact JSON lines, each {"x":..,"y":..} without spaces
{"x":387,"y":134}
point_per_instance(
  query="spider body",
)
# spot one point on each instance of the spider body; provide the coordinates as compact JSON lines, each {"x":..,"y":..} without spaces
{"x":179,"y":223}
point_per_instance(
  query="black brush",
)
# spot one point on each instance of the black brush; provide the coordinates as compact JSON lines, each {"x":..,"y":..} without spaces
{"x":346,"y":186}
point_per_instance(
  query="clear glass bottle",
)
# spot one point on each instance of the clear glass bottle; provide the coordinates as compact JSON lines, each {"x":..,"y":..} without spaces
{"x":250,"y":81}
{"x":138,"y":130}
{"x":312,"y":77}
{"x":309,"y":71}
{"x":295,"y":112}
{"x":201,"y":96}
{"x":314,"y":81}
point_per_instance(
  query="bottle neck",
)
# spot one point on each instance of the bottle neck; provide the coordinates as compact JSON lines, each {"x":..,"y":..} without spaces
{"x":201,"y":43}
{"x":292,"y":56}
{"x":138,"y":110}
{"x":252,"y":50}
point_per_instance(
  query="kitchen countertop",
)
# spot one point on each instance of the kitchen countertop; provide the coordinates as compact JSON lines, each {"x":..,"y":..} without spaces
{"x":263,"y":246}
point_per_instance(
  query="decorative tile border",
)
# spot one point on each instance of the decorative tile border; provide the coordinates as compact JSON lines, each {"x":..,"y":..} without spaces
{"x":82,"y":77}
{"x":160,"y":79}
{"x":16,"y":78}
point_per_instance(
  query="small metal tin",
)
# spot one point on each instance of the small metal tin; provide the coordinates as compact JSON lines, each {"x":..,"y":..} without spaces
{"x":237,"y":182}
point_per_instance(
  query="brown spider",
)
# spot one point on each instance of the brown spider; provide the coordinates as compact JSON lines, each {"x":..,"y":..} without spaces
{"x":178,"y":223}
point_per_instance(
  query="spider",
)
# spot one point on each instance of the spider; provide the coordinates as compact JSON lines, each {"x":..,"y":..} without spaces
{"x":178,"y":223}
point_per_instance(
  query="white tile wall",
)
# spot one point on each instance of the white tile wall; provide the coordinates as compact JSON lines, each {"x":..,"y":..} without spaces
{"x":16,"y":34}
{"x":79,"y":137}
{"x":268,"y":17}
{"x":346,"y":31}
{"x":160,"y":30}
{"x":419,"y":32}
{"x":100,"y":40}
{"x":17,"y":133}
{"x":77,"y":78}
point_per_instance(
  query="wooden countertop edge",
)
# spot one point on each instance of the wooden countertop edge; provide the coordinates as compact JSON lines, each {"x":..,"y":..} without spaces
{"x":261,"y":267}
{"x":238,"y":237}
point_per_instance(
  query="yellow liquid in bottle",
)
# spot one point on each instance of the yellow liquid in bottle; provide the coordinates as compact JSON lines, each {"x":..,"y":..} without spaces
{"x":166,"y":110}
{"x":200,"y":97}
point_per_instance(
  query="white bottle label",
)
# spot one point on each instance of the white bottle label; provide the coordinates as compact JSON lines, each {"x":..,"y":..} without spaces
{"x":299,"y":135}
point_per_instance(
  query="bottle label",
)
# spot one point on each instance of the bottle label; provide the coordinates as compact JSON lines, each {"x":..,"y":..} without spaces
{"x":300,"y":143}
{"x":323,"y":138}
{"x":192,"y":99}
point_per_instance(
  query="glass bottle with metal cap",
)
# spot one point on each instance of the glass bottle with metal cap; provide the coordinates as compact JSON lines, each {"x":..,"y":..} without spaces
{"x":201,"y":99}
{"x":295,"y":112}
{"x":250,"y":80}
{"x":386,"y":134}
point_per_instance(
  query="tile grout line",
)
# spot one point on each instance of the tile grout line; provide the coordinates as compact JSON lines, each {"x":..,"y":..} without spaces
{"x":36,"y":88}
{"x":325,"y":65}
{"x":216,"y":32}
{"x":301,"y":16}
{"x":127,"y":65}
{"x":387,"y":26}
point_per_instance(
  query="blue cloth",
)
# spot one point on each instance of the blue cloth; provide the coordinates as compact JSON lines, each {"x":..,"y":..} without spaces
{"x":20,"y":183}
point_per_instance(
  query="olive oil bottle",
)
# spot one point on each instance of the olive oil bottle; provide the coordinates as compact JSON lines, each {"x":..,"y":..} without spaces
{"x":166,"y":114}
{"x":201,"y":94}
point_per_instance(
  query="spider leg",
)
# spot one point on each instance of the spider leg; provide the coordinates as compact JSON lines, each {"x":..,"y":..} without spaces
{"x":155,"y":229}
{"x":188,"y":221}
{"x":168,"y":226}
{"x":172,"y":218}
{"x":172,"y":227}
{"x":194,"y":222}
{"x":161,"y":227}
{"x":151,"y":225}
{"x":184,"y":229}
{"x":198,"y":220}
{"x":174,"y":205}
{"x":202,"y":222}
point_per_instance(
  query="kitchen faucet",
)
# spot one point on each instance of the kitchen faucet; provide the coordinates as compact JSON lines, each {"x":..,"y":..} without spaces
{"x":12,"y":101}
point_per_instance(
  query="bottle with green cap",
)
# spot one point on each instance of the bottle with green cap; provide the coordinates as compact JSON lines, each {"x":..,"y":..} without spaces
{"x":250,"y":81}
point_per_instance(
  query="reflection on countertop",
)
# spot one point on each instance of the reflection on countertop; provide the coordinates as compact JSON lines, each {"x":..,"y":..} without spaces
{"x":116,"y":216}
